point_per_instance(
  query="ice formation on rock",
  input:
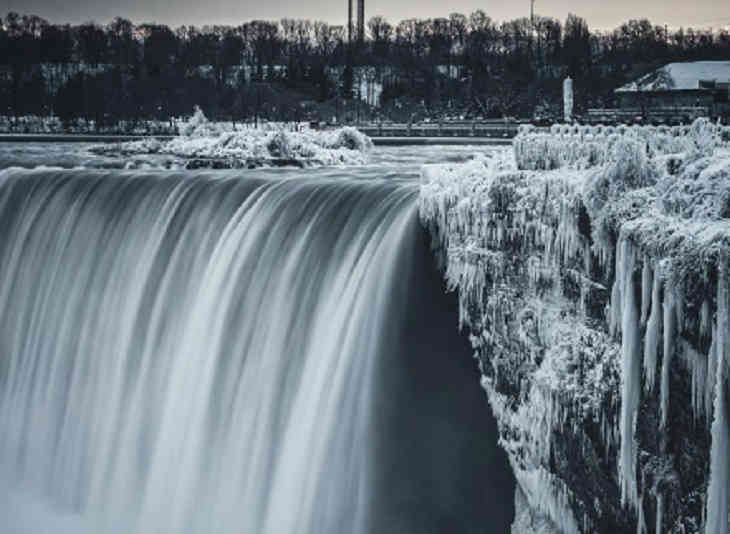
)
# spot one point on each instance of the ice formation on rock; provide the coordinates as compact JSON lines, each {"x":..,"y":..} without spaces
{"x":718,"y":490}
{"x":630,"y":369}
{"x":585,"y":262}
{"x":670,"y":328}
{"x":651,"y":338}
{"x":202,"y":140}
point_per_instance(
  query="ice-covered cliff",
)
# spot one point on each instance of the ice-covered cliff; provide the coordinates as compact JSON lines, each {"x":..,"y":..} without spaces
{"x":592,"y":267}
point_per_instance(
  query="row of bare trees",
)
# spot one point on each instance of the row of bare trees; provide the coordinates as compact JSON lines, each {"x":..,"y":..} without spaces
{"x":469,"y":64}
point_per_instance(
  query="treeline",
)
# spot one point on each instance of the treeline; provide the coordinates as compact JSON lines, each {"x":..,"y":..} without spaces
{"x":459,"y":66}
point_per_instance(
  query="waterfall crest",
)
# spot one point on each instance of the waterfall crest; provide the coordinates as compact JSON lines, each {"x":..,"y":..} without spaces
{"x":195,"y":352}
{"x":209,"y":353}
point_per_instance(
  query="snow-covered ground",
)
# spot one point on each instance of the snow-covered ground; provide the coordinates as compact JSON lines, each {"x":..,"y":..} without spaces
{"x":204,"y":143}
{"x":33,"y":124}
{"x":590,"y":267}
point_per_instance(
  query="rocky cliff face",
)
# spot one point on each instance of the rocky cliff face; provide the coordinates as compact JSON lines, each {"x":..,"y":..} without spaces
{"x":594,"y":290}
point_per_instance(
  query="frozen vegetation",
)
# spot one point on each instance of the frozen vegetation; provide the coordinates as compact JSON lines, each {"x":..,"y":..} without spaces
{"x":583,"y":147}
{"x":591,"y":266}
{"x":209,"y":144}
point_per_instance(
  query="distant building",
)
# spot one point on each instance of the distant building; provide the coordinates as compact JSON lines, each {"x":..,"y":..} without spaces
{"x":680,"y":90}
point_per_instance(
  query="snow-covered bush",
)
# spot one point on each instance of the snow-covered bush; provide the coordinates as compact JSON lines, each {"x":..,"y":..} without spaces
{"x":581,"y":147}
{"x":278,"y":146}
{"x":350,"y":138}
{"x":627,"y":168}
{"x":198,"y":125}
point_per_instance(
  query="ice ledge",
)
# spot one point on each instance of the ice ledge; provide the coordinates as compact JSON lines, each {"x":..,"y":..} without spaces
{"x":574,"y":284}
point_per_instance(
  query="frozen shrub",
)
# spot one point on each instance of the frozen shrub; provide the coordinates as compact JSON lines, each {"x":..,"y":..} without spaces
{"x":195,"y":125}
{"x":581,"y":147}
{"x":279,"y":146}
{"x":628,"y":168}
{"x":350,"y":138}
{"x":701,"y":138}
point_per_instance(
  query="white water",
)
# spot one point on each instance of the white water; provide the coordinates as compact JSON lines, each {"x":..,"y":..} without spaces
{"x":190,"y":356}
{"x":267,"y":352}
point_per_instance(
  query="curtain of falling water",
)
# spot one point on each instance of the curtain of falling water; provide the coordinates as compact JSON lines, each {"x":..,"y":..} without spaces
{"x":196,"y":354}
{"x":191,"y":355}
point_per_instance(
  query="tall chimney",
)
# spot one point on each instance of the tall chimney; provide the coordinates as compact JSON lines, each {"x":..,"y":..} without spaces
{"x":360,"y":20}
{"x":349,"y":21}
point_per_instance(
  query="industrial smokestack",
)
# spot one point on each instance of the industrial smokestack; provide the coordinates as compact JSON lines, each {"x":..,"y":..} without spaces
{"x":360,"y":20}
{"x":349,"y":21}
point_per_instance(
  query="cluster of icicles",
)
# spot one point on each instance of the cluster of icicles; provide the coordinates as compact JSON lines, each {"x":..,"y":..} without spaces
{"x":474,"y":238}
{"x":661,"y":310}
{"x":456,"y":203}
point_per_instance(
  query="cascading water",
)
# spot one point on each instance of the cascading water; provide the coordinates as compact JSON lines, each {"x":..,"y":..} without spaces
{"x":206,"y":353}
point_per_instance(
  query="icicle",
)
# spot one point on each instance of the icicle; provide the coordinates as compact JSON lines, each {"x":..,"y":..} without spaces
{"x":669,"y":338}
{"x":641,"y":521}
{"x":709,"y":390}
{"x":615,"y":312}
{"x":705,"y":319}
{"x":646,"y":286}
{"x":630,"y":374}
{"x":717,"y":488}
{"x":651,"y":340}
{"x":679,"y":300}
{"x":659,"y":513}
{"x":616,"y":297}
{"x":697,"y":365}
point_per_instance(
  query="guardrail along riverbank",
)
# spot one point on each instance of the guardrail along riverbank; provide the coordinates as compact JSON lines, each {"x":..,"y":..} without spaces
{"x":452,"y":129}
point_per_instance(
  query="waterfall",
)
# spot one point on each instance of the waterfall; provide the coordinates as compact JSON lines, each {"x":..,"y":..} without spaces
{"x":196,"y":354}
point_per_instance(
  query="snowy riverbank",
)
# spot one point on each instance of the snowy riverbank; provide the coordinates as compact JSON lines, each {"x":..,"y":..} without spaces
{"x":593,"y":282}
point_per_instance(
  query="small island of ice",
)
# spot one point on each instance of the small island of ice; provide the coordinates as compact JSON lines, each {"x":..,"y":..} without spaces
{"x":206,"y":144}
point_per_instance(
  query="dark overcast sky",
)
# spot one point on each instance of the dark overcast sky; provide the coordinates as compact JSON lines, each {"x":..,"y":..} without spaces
{"x":599,"y":13}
